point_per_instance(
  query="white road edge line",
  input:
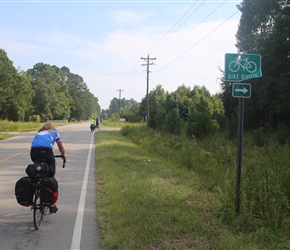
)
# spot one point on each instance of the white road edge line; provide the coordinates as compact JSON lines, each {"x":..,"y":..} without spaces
{"x":77,"y":234}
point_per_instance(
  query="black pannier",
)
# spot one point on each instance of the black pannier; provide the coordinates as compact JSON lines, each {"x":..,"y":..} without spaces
{"x":24,"y":191}
{"x":48,"y":191}
{"x":38,"y":170}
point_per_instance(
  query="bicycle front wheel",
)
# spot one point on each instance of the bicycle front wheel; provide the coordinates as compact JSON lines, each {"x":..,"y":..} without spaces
{"x":37,"y":211}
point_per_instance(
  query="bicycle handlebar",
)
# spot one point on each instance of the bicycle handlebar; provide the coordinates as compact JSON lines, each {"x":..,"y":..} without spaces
{"x":64,"y":161}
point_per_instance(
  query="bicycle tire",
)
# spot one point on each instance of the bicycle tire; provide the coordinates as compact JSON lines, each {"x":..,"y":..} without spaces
{"x":251,"y":67}
{"x":37,"y":211}
{"x":234,"y":66}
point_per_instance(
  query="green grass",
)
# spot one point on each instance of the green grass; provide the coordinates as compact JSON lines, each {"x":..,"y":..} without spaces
{"x":112,"y":123}
{"x":9,"y":126}
{"x":6,"y":136}
{"x":148,"y":201}
{"x":265,"y":175}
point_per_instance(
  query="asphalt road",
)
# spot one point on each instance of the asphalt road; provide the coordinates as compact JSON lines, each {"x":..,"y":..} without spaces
{"x":74,"y":226}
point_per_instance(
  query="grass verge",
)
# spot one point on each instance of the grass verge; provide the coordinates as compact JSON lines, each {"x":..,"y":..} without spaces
{"x":6,"y":136}
{"x":147,"y":201}
{"x":111,"y":123}
{"x":9,"y":126}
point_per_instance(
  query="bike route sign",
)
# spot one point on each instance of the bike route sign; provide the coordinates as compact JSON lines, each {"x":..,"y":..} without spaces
{"x":240,"y":67}
{"x":241,"y":90}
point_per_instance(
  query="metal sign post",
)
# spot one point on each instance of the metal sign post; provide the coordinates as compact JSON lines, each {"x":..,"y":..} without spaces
{"x":239,"y":155}
{"x":238,"y":68}
{"x":240,"y":90}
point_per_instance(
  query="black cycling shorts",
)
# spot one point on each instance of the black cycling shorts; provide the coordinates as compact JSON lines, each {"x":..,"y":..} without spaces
{"x":45,"y":154}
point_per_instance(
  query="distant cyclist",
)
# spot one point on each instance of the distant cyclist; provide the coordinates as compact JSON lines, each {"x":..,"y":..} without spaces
{"x":98,"y":122}
{"x":92,"y":127}
{"x":42,"y":148}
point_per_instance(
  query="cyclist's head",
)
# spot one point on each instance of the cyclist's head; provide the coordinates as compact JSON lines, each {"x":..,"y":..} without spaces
{"x":47,"y":126}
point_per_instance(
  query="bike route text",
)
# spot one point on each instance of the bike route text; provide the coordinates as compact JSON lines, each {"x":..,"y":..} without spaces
{"x":241,"y":77}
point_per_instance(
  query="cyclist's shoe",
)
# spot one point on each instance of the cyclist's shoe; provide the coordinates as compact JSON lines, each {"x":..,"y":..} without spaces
{"x":53,"y":209}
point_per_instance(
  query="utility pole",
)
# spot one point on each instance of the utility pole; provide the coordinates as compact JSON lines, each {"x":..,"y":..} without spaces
{"x":120,"y":90}
{"x":148,"y":59}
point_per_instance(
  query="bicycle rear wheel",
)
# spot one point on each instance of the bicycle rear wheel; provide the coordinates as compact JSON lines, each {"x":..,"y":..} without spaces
{"x":38,"y":212}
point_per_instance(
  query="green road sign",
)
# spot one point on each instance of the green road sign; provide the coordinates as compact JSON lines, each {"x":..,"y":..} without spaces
{"x":240,"y":67}
{"x":241,"y":90}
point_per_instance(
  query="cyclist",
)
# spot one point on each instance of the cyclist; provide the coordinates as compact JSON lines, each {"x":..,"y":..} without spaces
{"x":92,"y":124}
{"x":98,"y":122}
{"x":42,"y":148}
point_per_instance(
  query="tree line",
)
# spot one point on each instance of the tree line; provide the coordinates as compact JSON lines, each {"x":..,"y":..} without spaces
{"x":191,"y":111}
{"x":56,"y":93}
{"x":46,"y":92}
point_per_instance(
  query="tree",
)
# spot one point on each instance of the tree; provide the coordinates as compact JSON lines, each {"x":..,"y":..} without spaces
{"x":264,"y":29}
{"x":196,"y":110}
{"x":131,"y":114}
{"x":114,"y":106}
{"x":52,"y":99}
{"x":15,"y":91}
{"x":105,"y":114}
{"x":173,"y":123}
{"x":125,"y":104}
{"x":84,"y":104}
{"x":60,"y":94}
{"x":204,"y":113}
{"x":180,"y":99}
{"x":21,"y":107}
{"x":157,"y":99}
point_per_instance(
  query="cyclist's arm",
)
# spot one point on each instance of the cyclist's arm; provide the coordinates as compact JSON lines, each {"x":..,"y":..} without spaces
{"x":61,"y":149}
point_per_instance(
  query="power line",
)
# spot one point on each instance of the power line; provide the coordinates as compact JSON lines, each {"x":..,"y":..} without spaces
{"x":131,"y":76}
{"x":198,"y":42}
{"x":190,"y":76}
{"x":194,"y":27}
{"x":135,"y":82}
{"x":164,"y":39}
{"x":159,"y":41}
{"x":154,"y":47}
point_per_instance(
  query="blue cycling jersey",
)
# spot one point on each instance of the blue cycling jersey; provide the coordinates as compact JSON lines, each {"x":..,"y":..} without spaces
{"x":45,"y":139}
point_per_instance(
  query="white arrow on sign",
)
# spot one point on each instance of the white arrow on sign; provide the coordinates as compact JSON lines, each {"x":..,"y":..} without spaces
{"x":244,"y":90}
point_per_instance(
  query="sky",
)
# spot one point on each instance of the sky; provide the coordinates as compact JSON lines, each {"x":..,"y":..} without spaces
{"x":105,"y":42}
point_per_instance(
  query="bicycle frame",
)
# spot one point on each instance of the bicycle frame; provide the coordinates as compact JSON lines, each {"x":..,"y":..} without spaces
{"x":243,"y":65}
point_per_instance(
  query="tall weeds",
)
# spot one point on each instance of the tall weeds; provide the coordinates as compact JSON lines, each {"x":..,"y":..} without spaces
{"x":265,"y":176}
